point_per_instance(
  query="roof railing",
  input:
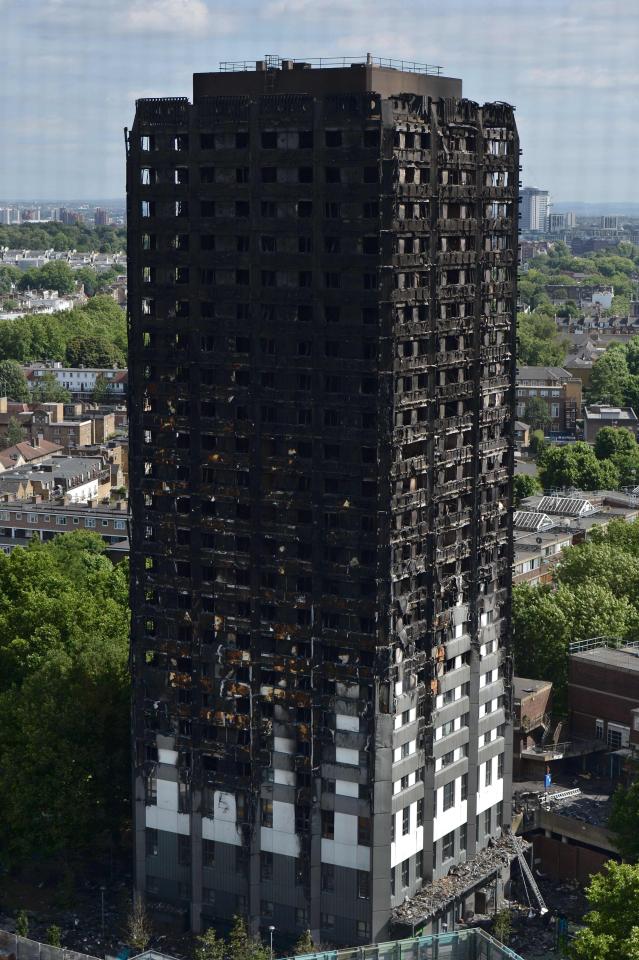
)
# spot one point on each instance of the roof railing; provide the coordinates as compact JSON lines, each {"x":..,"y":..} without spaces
{"x":273,"y":62}
{"x":579,"y":646}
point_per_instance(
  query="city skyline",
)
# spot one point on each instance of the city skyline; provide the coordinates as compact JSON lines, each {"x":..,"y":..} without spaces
{"x":68,"y":110}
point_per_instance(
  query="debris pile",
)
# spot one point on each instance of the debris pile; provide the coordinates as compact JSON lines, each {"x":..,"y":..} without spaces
{"x":460,"y":880}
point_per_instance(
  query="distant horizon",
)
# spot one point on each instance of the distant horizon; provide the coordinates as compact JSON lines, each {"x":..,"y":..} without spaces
{"x":628,"y":206}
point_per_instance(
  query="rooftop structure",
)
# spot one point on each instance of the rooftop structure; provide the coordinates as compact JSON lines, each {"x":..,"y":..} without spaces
{"x":76,"y":478}
{"x":528,"y":520}
{"x":601,"y":415}
{"x":322,"y":354}
{"x":565,"y":506}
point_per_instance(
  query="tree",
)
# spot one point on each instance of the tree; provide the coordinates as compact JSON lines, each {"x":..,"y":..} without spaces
{"x":623,"y":821}
{"x":611,"y":929}
{"x":621,"y":448}
{"x":101,"y":391}
{"x":64,"y":697}
{"x":139,"y":930}
{"x":305,"y":945}
{"x":524,"y":486}
{"x":93,"y":351}
{"x":576,"y":465}
{"x":610,"y":377}
{"x":9,"y":276}
{"x":611,"y":441}
{"x":22,"y":924}
{"x":538,"y":442}
{"x":502,"y":926}
{"x":209,"y":946}
{"x":539,"y":341}
{"x":547,"y":619}
{"x":54,"y":935}
{"x":53,"y":275}
{"x":48,"y":390}
{"x":13,"y":383}
{"x":604,"y":563}
{"x":15,"y":433}
{"x":536,"y":413}
{"x":242,"y":946}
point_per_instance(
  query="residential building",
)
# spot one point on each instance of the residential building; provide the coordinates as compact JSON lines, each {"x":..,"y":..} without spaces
{"x":27,"y":451}
{"x":81,"y":381}
{"x":101,"y":217}
{"x":559,"y":391}
{"x":76,"y":479}
{"x":535,"y":206}
{"x":583,"y":354}
{"x":322,"y":357}
{"x":601,"y":415}
{"x":603,"y":693}
{"x":22,"y":520}
{"x":556,"y":222}
{"x":538,"y":547}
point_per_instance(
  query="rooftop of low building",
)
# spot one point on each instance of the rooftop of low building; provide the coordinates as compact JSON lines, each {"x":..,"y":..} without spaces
{"x":624,"y":658}
{"x":523,"y":687}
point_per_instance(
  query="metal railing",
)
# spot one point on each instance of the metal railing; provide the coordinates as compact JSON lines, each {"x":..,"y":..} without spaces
{"x":579,"y":646}
{"x":24,"y":949}
{"x":272,"y":62}
{"x":470,"y":944}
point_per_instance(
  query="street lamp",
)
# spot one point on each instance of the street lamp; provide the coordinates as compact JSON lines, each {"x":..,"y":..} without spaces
{"x":102,"y":889}
{"x":271,"y":930}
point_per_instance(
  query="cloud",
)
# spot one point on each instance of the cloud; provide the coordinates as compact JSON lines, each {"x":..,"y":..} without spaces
{"x":577,"y":76}
{"x":169,"y":16}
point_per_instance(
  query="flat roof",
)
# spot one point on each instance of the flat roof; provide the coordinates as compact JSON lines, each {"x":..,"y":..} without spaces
{"x":53,"y":467}
{"x":623,"y":658}
{"x":324,"y":77}
{"x":522,"y":686}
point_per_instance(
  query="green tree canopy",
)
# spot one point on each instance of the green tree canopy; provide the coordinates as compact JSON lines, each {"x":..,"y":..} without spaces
{"x":538,"y":442}
{"x":48,"y":336}
{"x":61,"y":236}
{"x":539,"y":341}
{"x":576,"y":465}
{"x":13,"y":383}
{"x":611,"y":441}
{"x":525,"y":485}
{"x":623,"y":821}
{"x":94,"y":351}
{"x":9,"y":275}
{"x":241,"y":946}
{"x":64,"y":697}
{"x":547,"y":619}
{"x":612,"y":926}
{"x":15,"y":433}
{"x":536,"y":413}
{"x":609,"y":379}
{"x":53,"y":275}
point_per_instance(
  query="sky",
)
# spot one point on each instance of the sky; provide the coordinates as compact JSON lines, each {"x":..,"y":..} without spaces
{"x":70,"y":71}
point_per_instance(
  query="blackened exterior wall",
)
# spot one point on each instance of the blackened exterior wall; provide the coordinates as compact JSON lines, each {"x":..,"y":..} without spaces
{"x":321,"y":303}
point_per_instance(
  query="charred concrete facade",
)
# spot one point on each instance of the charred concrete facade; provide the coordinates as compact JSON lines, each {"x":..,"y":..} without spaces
{"x":321,"y":302}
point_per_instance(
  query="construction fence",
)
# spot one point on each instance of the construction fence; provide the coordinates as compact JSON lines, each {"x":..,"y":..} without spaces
{"x":24,"y":949}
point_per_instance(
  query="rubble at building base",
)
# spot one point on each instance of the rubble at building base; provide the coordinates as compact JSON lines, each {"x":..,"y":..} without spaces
{"x":437,"y":897}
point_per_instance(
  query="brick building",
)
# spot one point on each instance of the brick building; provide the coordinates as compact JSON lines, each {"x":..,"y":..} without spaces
{"x":559,"y":390}
{"x":603,"y":692}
